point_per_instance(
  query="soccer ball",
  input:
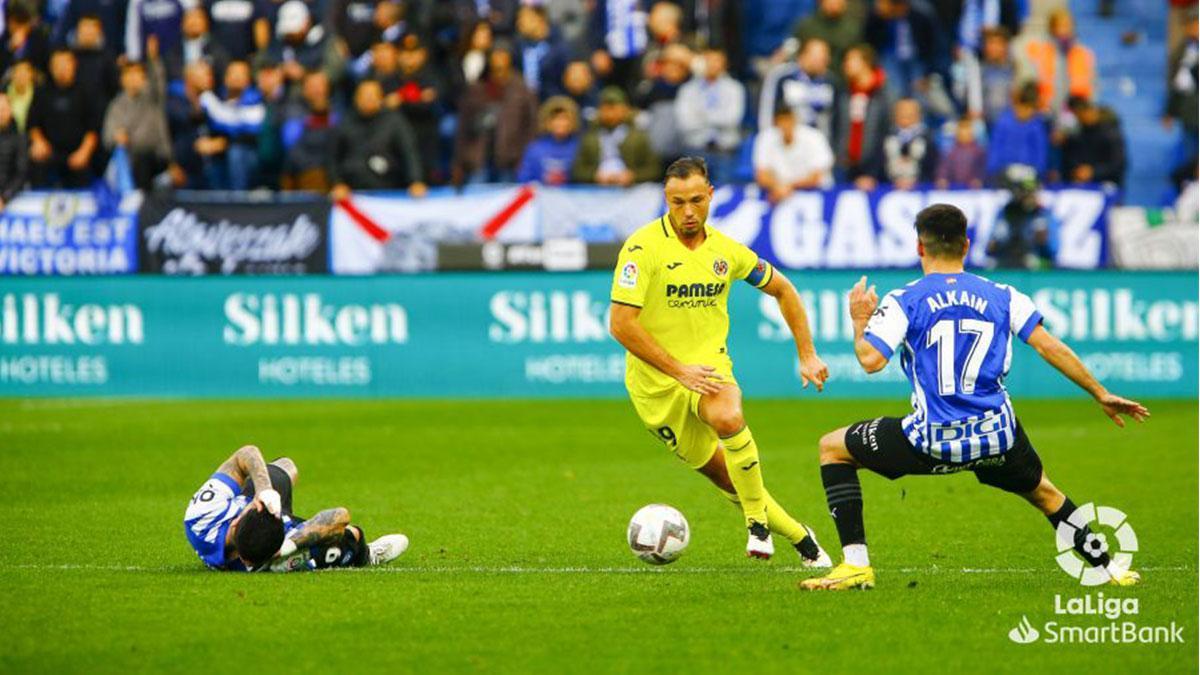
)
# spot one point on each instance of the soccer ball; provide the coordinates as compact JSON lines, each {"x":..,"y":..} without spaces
{"x":658,"y":534}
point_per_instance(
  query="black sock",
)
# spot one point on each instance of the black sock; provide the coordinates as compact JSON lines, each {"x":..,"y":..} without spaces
{"x":844,"y":496}
{"x":1061,"y":516}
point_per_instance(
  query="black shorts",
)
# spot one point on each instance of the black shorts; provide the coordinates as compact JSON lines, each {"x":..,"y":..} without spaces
{"x":281,"y":482}
{"x":881,"y":446}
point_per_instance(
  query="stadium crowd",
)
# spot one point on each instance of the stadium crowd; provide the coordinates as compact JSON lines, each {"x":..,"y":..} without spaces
{"x":343,"y":95}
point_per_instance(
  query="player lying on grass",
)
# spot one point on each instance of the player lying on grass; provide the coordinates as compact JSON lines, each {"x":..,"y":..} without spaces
{"x":669,"y":310}
{"x":955,"y":333}
{"x":241,"y":519}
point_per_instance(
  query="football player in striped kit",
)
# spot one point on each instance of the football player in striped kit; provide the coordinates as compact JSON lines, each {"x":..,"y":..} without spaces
{"x":241,"y":520}
{"x":954,"y":332}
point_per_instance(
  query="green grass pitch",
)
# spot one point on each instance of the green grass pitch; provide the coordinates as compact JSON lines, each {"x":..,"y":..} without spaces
{"x":517,"y":514}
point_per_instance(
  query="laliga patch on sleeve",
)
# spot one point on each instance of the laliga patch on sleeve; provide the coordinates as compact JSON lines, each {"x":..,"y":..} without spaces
{"x":629,"y":275}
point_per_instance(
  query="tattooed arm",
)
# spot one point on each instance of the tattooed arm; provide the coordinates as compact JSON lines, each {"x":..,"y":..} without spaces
{"x":247,"y":462}
{"x":324,"y":528}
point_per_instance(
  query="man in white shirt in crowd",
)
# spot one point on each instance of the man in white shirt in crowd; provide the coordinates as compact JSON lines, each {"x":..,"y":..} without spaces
{"x":790,"y":156}
{"x":708,"y":114}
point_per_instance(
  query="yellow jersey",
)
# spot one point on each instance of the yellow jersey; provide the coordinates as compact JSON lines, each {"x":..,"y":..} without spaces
{"x":683,"y":295}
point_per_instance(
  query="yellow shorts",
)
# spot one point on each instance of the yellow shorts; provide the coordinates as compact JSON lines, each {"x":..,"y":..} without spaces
{"x":673,"y":418}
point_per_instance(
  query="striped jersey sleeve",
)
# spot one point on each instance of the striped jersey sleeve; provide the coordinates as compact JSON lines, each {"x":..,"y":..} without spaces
{"x":888,"y":325}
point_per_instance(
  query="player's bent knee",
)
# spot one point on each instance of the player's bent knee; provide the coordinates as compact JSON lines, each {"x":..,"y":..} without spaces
{"x":727,"y":424}
{"x":289,"y":467}
{"x":832,"y":448}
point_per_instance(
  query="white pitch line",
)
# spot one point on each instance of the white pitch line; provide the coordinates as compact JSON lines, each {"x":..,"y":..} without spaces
{"x":401,"y":569}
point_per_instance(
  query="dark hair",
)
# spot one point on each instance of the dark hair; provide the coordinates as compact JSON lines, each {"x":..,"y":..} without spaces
{"x":1027,"y":93}
{"x":258,"y":537}
{"x":90,"y":16}
{"x":867,"y":52}
{"x":685,"y":167}
{"x":942,"y":228}
{"x":997,"y":32}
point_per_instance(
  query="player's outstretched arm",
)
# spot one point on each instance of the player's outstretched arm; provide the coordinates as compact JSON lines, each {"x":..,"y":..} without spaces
{"x":812,"y":368}
{"x":248,"y":463}
{"x":1063,"y":358}
{"x":625,"y":328}
{"x":863,"y":301}
{"x":324,"y":528}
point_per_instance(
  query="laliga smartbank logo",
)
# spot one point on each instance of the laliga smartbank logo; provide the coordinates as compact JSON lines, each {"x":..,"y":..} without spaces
{"x":1107,"y":531}
{"x":1095,"y":618}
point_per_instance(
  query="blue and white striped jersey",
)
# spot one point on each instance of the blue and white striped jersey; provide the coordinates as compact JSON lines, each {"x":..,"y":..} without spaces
{"x":208,"y":517}
{"x":955,"y":333}
{"x":625,"y":28}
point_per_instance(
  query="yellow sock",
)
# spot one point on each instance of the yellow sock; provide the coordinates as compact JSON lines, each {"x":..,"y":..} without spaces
{"x":778,"y":520}
{"x":741,"y":461}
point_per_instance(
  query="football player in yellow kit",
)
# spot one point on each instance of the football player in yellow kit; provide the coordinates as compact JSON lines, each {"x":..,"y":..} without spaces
{"x":670,"y":294}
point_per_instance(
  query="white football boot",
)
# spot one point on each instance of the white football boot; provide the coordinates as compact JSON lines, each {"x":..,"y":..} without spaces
{"x":759,"y":544}
{"x":822,"y":561}
{"x":386,"y":549}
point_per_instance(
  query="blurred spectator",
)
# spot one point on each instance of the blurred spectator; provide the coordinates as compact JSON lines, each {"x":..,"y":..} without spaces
{"x":1095,"y":151}
{"x":664,"y":28}
{"x":501,"y":14}
{"x":618,"y":40}
{"x":188,"y":122}
{"x":112,"y":16}
{"x":708,"y":114}
{"x":374,"y":148}
{"x":1020,"y":135}
{"x":303,"y":45}
{"x":905,"y":37}
{"x":970,"y":20}
{"x":473,"y":55}
{"x":1183,"y":90}
{"x":767,"y":26}
{"x":548,"y":159}
{"x":540,"y":49}
{"x":614,"y":151}
{"x":1179,"y":13}
{"x":389,"y":21}
{"x":996,"y":73}
{"x":64,"y":127}
{"x":834,"y":22}
{"x":418,"y":94}
{"x":135,"y":121}
{"x":353,"y":22}
{"x":162,"y":19}
{"x":910,"y":153}
{"x":309,"y":138}
{"x":14,"y":156}
{"x":862,"y":118}
{"x":196,"y":43}
{"x":1061,"y":65}
{"x":965,"y":164}
{"x":579,"y":85}
{"x":384,"y":59}
{"x":790,"y":156}
{"x":232,"y":24}
{"x":269,"y":82}
{"x":266,"y":25}
{"x":97,"y":66}
{"x":657,"y":98}
{"x":22,"y":82}
{"x":1025,"y":235}
{"x":25,"y":37}
{"x":805,"y":85}
{"x":570,"y":17}
{"x":497,"y":118}
{"x":230,"y":150}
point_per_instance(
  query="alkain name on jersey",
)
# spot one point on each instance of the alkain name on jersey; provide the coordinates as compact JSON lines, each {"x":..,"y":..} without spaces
{"x":689,"y":296}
